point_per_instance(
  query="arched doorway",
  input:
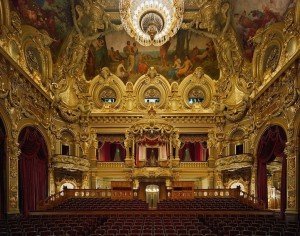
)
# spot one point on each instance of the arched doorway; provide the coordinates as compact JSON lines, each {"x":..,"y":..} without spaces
{"x":271,"y":146}
{"x":33,"y":169}
{"x":67,"y":185}
{"x":152,"y":196}
{"x":3,"y":191}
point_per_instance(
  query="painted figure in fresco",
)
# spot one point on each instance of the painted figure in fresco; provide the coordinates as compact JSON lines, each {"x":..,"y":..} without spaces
{"x":136,"y":56}
{"x":113,"y":55}
{"x":121,"y":71}
{"x":176,"y":66}
{"x":186,"y":67}
{"x":129,"y":53}
{"x":163,"y":51}
{"x":143,"y":66}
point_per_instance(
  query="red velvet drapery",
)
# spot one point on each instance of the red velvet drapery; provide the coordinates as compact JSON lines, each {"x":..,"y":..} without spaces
{"x":271,"y":145}
{"x":107,"y":151}
{"x":33,"y":169}
{"x":2,"y":170}
{"x":195,"y":149}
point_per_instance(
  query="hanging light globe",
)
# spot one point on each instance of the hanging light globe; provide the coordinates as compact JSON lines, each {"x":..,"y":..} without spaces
{"x":151,"y":22}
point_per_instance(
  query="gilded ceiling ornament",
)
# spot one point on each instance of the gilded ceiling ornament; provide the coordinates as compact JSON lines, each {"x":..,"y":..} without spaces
{"x":151,"y":22}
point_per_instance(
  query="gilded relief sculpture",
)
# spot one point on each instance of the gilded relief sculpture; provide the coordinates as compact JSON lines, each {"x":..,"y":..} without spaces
{"x":214,"y":20}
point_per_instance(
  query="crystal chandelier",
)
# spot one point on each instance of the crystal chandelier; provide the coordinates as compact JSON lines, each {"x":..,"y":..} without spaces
{"x":151,"y":22}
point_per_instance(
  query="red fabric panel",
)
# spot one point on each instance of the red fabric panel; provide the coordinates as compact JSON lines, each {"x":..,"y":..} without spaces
{"x":198,"y":152}
{"x":105,"y":152}
{"x":33,"y":169}
{"x":271,"y":145}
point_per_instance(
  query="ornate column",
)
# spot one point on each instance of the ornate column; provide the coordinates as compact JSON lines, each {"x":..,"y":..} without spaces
{"x":171,"y":148}
{"x":51,"y":180}
{"x":253,"y":179}
{"x":218,"y":183}
{"x":292,"y":197}
{"x":86,"y":176}
{"x":211,"y":180}
{"x":211,"y":146}
{"x":13,"y":152}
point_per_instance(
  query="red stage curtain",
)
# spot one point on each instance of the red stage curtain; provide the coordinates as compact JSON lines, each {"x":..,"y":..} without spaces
{"x":271,"y":145}
{"x":2,"y":171}
{"x":196,"y":151}
{"x":108,"y":150}
{"x":33,"y":169}
{"x":105,"y":152}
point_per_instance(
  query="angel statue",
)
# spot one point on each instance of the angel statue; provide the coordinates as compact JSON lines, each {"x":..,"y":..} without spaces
{"x":90,"y":22}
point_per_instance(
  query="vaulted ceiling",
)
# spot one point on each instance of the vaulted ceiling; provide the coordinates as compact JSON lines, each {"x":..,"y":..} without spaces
{"x":55,"y":17}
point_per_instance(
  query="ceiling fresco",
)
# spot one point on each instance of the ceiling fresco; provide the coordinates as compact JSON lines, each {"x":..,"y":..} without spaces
{"x":175,"y":60}
{"x":129,"y":60}
{"x":53,"y":16}
{"x":250,"y":15}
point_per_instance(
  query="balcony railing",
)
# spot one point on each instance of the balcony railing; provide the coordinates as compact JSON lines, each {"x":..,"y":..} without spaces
{"x":235,"y":193}
{"x":193,"y":164}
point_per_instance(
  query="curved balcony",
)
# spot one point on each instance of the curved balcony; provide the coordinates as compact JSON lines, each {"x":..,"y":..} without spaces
{"x":70,"y":163}
{"x":234,"y":162}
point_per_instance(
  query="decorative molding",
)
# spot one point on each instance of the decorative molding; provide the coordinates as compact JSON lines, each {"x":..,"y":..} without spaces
{"x":70,"y":163}
{"x":234,"y":162}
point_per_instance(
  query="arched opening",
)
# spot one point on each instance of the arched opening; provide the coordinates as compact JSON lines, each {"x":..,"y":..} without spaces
{"x":67,"y":185}
{"x":3,"y":181}
{"x":236,"y":185}
{"x":270,"y":152}
{"x":67,"y":144}
{"x":152,"y":196}
{"x":33,"y":169}
{"x":237,"y":143}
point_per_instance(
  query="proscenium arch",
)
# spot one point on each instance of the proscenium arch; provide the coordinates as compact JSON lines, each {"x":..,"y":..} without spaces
{"x":3,"y":169}
{"x":33,"y":168}
{"x":272,"y":144}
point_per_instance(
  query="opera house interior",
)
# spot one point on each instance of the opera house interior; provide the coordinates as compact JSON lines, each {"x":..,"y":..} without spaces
{"x":149,"y":117}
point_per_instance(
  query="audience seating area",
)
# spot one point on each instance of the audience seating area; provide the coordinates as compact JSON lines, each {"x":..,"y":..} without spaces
{"x":158,"y":224}
{"x":206,"y":204}
{"x":100,"y":204}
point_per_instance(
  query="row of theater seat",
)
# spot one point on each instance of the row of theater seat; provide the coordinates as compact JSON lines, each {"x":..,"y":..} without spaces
{"x":50,"y":225}
{"x":99,"y":204}
{"x":207,"y":204}
{"x":149,"y":224}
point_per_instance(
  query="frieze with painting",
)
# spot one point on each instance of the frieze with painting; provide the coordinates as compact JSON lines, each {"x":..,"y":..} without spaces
{"x":175,"y":60}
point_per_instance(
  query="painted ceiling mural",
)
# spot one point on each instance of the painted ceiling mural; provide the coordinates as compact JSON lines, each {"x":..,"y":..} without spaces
{"x":129,"y":60}
{"x":53,"y":16}
{"x":175,"y":60}
{"x":250,"y":15}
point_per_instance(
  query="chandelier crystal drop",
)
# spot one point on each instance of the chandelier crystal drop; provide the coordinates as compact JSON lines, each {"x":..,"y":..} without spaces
{"x":151,"y":22}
